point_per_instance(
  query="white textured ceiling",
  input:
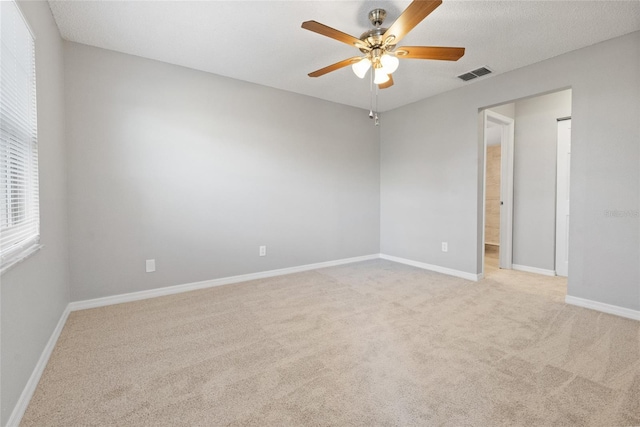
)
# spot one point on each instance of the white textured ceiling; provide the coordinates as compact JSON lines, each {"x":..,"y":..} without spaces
{"x":262,"y":42}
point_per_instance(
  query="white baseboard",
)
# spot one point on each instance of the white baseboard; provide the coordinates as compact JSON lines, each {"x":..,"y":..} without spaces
{"x":34,"y":379}
{"x":535,"y":270}
{"x":605,"y":308}
{"x":436,"y":268}
{"x":170,"y":290}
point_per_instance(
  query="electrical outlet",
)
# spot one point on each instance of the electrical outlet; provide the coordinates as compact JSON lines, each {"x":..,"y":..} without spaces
{"x":445,"y":247}
{"x":151,"y":265}
{"x":263,"y":251}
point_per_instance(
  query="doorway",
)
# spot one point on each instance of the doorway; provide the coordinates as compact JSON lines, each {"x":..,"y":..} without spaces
{"x":533,"y":185}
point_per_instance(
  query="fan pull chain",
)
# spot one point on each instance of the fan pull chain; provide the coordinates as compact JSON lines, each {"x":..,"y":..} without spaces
{"x":371,"y":98}
{"x":376,"y":119}
{"x":373,"y":111}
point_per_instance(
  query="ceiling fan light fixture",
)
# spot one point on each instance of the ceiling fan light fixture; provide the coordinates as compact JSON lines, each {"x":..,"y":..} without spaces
{"x":361,"y":67}
{"x":380,"y":76}
{"x":389,"y":63}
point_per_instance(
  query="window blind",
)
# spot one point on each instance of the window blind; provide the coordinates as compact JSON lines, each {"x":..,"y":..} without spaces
{"x":19,"y":200}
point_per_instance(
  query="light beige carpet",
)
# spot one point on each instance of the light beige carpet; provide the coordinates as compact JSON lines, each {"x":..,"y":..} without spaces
{"x":373,"y":343}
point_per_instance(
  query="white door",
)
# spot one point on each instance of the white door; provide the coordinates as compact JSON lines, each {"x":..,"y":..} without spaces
{"x":562,"y":198}
{"x":506,"y":194}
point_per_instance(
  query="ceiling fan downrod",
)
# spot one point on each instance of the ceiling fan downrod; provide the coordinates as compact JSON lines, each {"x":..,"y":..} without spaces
{"x":376,"y":16}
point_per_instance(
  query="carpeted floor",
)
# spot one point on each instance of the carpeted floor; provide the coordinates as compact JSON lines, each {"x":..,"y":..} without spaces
{"x":372,"y":343}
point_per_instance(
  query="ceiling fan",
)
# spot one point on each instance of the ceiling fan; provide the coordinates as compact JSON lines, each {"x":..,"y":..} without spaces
{"x":379,"y":44}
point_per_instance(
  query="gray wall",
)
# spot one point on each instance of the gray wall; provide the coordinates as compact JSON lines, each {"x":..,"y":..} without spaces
{"x":196,"y":171}
{"x":429,"y":168}
{"x":508,"y":110}
{"x":35,"y":292}
{"x":431,"y":157}
{"x":534,"y":178}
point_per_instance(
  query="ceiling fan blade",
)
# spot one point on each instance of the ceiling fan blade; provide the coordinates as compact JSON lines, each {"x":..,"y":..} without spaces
{"x":319,"y":28}
{"x":430,"y":52}
{"x":386,"y":84}
{"x":412,"y":15}
{"x":336,"y":66}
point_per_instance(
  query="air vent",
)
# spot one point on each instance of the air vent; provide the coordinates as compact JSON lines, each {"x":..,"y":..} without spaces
{"x":482,"y":71}
{"x":467,"y":76}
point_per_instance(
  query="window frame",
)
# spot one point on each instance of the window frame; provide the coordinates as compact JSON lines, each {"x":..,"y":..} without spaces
{"x":19,"y":168}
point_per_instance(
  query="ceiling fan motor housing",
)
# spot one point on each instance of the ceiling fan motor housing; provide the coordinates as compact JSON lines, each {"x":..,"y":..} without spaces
{"x":373,"y":38}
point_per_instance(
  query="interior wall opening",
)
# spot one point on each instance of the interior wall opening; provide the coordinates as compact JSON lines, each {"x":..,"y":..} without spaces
{"x":526,"y":185}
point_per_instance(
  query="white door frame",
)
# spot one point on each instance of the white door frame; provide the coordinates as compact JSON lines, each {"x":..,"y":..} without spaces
{"x":563,"y":172}
{"x":506,"y":186}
